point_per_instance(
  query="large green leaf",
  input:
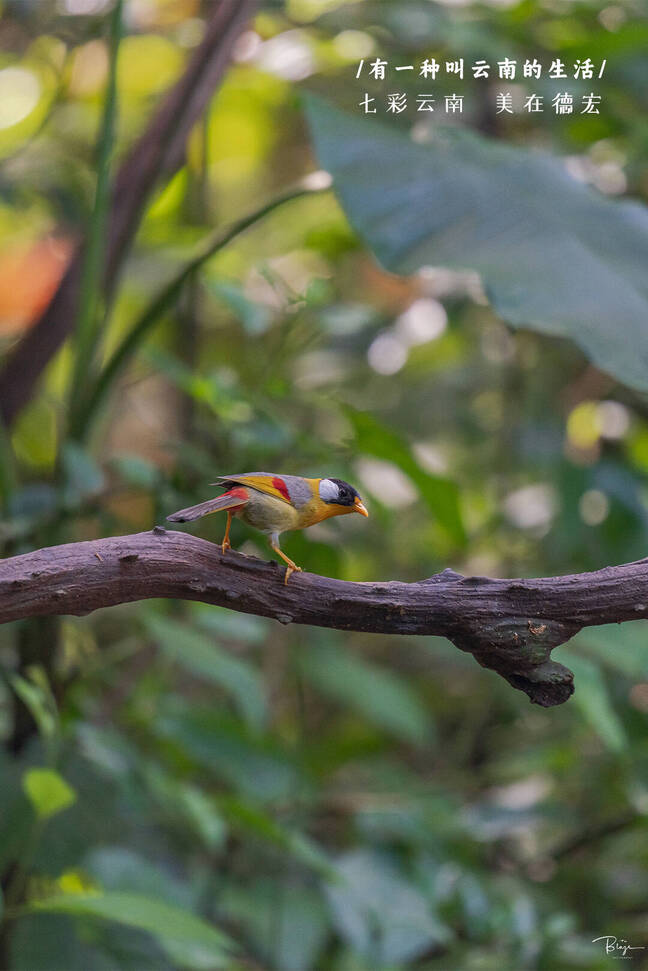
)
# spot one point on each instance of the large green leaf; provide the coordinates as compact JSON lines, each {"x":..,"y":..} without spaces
{"x":187,"y":938}
{"x":294,"y":911}
{"x":255,"y":765}
{"x":592,"y":697}
{"x":554,"y":255}
{"x":252,"y":821}
{"x":200,"y":654}
{"x":378,"y":694}
{"x":381,"y":915}
{"x":620,"y":646}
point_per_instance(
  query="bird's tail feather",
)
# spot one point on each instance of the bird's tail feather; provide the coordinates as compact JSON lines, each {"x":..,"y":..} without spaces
{"x":227,"y":501}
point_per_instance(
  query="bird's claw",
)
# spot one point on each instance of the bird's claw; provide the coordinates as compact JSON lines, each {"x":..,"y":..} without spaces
{"x":225,"y":546}
{"x":290,"y":570}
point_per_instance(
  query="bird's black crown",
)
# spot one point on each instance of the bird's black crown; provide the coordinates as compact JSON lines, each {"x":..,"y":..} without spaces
{"x":347,"y":495}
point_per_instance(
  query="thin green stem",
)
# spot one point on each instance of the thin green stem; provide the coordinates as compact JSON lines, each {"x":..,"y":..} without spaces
{"x":154,"y":311}
{"x":7,"y":468}
{"x":18,"y":884}
{"x":88,"y":322}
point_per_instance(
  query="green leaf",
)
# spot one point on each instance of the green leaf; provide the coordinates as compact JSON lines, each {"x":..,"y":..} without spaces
{"x":49,"y":942}
{"x":374,"y":692}
{"x":196,"y":811}
{"x":591,"y":696}
{"x":252,"y":820}
{"x":36,"y":695}
{"x":379,"y":913}
{"x":47,"y":791}
{"x":187,"y":939}
{"x":253,"y":764}
{"x":623,"y":647}
{"x":230,"y":625}
{"x":200,"y":654}
{"x":296,"y":913}
{"x":440,"y":495}
{"x":554,"y":255}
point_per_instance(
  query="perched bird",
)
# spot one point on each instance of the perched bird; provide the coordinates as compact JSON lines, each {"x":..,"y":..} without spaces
{"x":275,"y":504}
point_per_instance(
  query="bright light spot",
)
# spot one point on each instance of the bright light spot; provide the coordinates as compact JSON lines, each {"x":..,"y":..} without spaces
{"x":292,"y":274}
{"x":593,"y":507}
{"x":247,"y":46}
{"x":614,"y":419}
{"x":386,"y":482}
{"x":523,"y":794}
{"x":601,"y":167}
{"x":89,"y":69}
{"x":190,"y":32}
{"x":318,"y":180}
{"x":20,"y":92}
{"x":584,"y":425}
{"x":430,"y":457}
{"x":440,"y":282}
{"x":305,"y":10}
{"x":612,"y":18}
{"x":423,"y":321}
{"x":532,"y":507}
{"x":84,"y":7}
{"x":591,"y":420}
{"x":354,"y":44}
{"x":387,"y":354}
{"x":609,"y":178}
{"x":288,"y":56}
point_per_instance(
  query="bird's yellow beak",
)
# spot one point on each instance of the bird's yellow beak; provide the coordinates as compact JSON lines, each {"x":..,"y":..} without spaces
{"x":358,"y":507}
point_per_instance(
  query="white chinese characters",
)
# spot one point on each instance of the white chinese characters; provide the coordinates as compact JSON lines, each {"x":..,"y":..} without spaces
{"x":506,"y":101}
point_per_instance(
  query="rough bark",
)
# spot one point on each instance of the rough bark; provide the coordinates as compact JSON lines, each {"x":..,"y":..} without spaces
{"x":158,"y":152}
{"x":510,"y":626}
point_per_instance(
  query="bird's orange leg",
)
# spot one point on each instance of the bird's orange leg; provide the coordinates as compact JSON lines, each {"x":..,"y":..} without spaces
{"x":226,"y":543}
{"x":292,"y":567}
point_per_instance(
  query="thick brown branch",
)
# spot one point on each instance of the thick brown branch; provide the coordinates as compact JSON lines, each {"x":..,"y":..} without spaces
{"x":510,"y":626}
{"x":159,"y":151}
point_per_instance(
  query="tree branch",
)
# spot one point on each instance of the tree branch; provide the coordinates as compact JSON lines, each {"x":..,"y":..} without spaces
{"x":510,"y":626}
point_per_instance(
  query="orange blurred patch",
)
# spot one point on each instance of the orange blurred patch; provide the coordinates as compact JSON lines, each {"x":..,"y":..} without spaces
{"x":394,"y":292}
{"x":149,"y":14}
{"x":29,"y":275}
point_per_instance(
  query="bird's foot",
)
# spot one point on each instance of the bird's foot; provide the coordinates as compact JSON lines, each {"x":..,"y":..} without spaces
{"x":225,"y":546}
{"x":290,"y":570}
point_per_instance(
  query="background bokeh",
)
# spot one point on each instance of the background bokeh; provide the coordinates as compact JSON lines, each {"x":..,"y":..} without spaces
{"x":186,"y":787}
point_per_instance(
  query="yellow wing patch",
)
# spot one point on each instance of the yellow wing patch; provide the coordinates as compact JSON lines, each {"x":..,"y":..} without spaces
{"x":272,"y":485}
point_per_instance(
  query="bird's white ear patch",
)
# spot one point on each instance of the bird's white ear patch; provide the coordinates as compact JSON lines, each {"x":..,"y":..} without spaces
{"x":329,"y":491}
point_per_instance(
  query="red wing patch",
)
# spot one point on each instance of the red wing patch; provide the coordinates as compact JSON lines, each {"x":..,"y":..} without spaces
{"x":281,"y":487}
{"x":238,"y":493}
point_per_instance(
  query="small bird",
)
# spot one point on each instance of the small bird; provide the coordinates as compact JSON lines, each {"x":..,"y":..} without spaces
{"x":275,"y":504}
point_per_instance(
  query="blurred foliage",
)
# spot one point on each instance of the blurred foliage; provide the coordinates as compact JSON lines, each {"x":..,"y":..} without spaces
{"x":186,"y":787}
